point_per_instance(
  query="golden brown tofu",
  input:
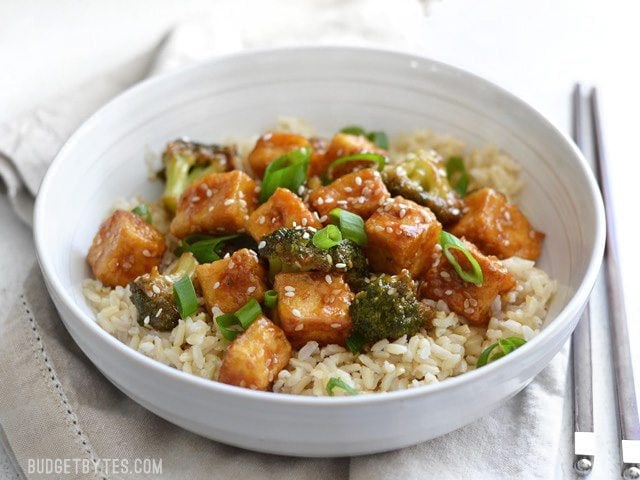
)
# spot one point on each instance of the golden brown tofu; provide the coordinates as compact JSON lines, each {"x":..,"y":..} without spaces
{"x":497,"y":227}
{"x":401,"y":235}
{"x":218,"y":203}
{"x":283,"y":209}
{"x":231,"y":282}
{"x":343,"y":145}
{"x":254,"y":358}
{"x":313,"y":306}
{"x":316,"y":163}
{"x":124,"y":248}
{"x":473,"y":302}
{"x":271,"y":146}
{"x":360,"y":192}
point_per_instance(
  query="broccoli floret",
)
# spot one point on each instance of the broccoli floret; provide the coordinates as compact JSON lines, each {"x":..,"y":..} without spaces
{"x":423,"y":179}
{"x":152,"y":294}
{"x":186,"y":161}
{"x":292,"y":250}
{"x":388,"y":307}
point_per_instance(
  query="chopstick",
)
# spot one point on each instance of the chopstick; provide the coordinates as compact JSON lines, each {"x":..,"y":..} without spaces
{"x":584,"y":437}
{"x":629,"y":423}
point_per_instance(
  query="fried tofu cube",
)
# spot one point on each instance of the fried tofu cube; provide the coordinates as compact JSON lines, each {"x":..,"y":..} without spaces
{"x":218,"y":203}
{"x":360,"y":192}
{"x":316,"y":163}
{"x":473,"y":302}
{"x":254,"y":358}
{"x":283,"y":209}
{"x":497,"y":227}
{"x":343,"y":145}
{"x":124,"y":248}
{"x":401,"y":235}
{"x":231,"y":282}
{"x":271,"y":146}
{"x":314,"y":306}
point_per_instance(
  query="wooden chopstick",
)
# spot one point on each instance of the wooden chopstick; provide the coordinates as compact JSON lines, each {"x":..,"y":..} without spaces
{"x":629,"y":425}
{"x":584,"y":437}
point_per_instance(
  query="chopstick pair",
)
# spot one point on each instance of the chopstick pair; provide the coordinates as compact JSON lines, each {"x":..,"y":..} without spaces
{"x":629,"y":424}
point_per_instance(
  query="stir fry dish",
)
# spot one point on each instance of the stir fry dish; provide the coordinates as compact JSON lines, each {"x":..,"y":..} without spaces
{"x":316,"y":265}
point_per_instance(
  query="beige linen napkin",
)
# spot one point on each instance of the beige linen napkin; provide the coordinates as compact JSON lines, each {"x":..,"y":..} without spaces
{"x":59,"y":413}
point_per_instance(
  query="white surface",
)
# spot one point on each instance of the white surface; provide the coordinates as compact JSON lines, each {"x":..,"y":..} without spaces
{"x":534,"y":48}
{"x":328,"y":86}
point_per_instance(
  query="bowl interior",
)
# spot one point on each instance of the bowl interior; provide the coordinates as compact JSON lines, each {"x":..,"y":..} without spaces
{"x":243,"y":95}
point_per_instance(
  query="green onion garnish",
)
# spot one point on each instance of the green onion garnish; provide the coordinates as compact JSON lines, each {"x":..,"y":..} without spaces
{"x":336,"y":382}
{"x":185,"y":297}
{"x":232,"y":324}
{"x":355,"y":343}
{"x":379,"y":138}
{"x":271,"y":298}
{"x":448,"y":242}
{"x":457,"y":175}
{"x":143,"y":212}
{"x":379,"y":160}
{"x":327,"y":237}
{"x":507,"y":345}
{"x":205,"y":248}
{"x":287,"y":171}
{"x":350,"y":224}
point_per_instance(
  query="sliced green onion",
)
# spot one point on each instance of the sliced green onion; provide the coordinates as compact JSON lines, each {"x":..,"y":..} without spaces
{"x":355,"y":343}
{"x":232,"y":324}
{"x":350,"y":224}
{"x":287,"y":171}
{"x":353,"y":130}
{"x":379,"y":160}
{"x":143,"y":212}
{"x":507,"y":345}
{"x":457,"y":175}
{"x":205,"y":248}
{"x":448,"y":242}
{"x":336,"y":382}
{"x":271,"y":298}
{"x":327,"y":237}
{"x":247,"y":314}
{"x":380,"y":139}
{"x":185,"y":297}
{"x":229,"y":326}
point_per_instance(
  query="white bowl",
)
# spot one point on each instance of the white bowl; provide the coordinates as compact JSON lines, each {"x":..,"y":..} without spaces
{"x":243,"y":94}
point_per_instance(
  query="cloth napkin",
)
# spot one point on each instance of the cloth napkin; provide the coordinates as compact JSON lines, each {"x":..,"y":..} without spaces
{"x":54,"y":404}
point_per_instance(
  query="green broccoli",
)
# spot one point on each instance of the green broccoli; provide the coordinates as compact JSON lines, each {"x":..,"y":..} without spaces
{"x":423,"y":179}
{"x":152,"y":294}
{"x":185,"y":161}
{"x":292,"y":250}
{"x":388,"y":307}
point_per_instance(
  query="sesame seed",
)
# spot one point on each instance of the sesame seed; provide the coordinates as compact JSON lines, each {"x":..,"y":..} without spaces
{"x":241,"y":194}
{"x":289,"y":294}
{"x":228,"y":201}
{"x":448,"y":292}
{"x":146,"y":320}
{"x":251,"y":290}
{"x":323,"y":218}
{"x":299,"y":327}
{"x":210,"y":209}
{"x":257,"y":189}
{"x":361,"y":199}
{"x":300,"y":189}
{"x":261,"y":219}
{"x":289,"y":288}
{"x":267,"y":136}
{"x":262,"y":244}
{"x":274,"y":219}
{"x":305,"y":235}
{"x":296,"y":313}
{"x":389,"y":230}
{"x":231,"y":265}
{"x":379,"y":228}
{"x":444,"y":274}
{"x":341,"y":265}
{"x":358,"y":181}
{"x":304,"y":222}
{"x":155,"y":289}
{"x":216,"y":285}
{"x":195,"y":199}
{"x":158,"y":312}
{"x":320,"y":201}
{"x":392,"y":291}
{"x":209,"y":193}
{"x":146,"y":253}
{"x":468,"y":310}
{"x":366,"y":191}
{"x":348,"y":189}
{"x":335,"y":325}
{"x":328,"y":279}
{"x":329,"y":199}
{"x":242,"y":202}
{"x":294,"y":224}
{"x":402,"y":213}
{"x":227,"y":255}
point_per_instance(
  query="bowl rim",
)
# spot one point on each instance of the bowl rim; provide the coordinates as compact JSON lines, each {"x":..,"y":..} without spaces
{"x":570,"y":310}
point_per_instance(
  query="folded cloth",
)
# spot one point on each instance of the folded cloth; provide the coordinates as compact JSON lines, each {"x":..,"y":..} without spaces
{"x":55,"y":405}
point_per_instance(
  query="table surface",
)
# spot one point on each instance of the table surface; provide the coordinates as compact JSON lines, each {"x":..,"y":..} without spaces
{"x":536,"y":49}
